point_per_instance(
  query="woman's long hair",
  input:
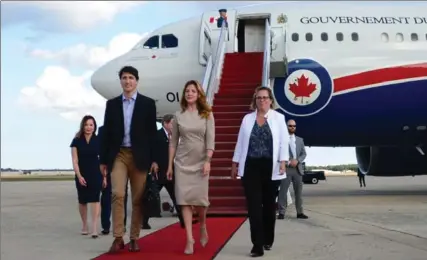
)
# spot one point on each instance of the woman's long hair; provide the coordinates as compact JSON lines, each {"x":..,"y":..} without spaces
{"x":81,"y":131}
{"x":201,"y":103}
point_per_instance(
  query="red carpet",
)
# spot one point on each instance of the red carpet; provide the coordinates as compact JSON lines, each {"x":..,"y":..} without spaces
{"x":169,"y":243}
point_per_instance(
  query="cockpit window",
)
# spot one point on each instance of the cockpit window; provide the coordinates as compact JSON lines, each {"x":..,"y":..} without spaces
{"x":169,"y":41}
{"x":152,"y":43}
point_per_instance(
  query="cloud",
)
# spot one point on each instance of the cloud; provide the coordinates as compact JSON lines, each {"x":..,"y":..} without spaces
{"x":57,"y":89}
{"x":63,"y":16}
{"x":90,"y":57}
{"x":72,"y":96}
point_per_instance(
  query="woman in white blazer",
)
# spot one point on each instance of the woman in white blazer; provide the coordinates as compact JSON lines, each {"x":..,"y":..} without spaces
{"x":260,"y":160}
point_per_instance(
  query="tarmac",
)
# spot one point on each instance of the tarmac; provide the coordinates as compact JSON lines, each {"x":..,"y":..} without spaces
{"x":385,"y":220}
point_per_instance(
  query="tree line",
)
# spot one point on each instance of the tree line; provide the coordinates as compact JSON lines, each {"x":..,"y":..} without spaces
{"x":340,"y":168}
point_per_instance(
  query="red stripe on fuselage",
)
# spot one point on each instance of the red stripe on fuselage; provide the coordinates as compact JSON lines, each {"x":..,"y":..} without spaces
{"x":379,"y":76}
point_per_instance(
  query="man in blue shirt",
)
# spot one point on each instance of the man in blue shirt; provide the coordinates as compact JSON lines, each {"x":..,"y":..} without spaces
{"x":128,"y":148}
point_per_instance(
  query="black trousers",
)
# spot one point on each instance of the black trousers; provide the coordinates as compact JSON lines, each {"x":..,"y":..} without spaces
{"x":260,"y":192}
{"x":170,"y":188}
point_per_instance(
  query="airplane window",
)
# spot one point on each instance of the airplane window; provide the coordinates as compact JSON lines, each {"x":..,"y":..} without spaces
{"x":295,"y":37}
{"x":308,"y":37}
{"x":414,"y":37}
{"x":169,"y":41}
{"x":399,"y":37}
{"x":340,"y":37}
{"x":355,"y":37}
{"x":384,"y":37}
{"x":324,"y":37}
{"x":152,"y":43}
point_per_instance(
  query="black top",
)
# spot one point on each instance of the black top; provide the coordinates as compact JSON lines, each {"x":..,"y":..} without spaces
{"x":261,"y":142}
{"x":87,"y":154}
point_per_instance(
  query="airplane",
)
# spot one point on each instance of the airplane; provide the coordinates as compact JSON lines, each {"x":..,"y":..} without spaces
{"x":368,"y":61}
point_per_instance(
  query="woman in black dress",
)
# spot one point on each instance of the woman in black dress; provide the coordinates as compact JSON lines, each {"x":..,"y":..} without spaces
{"x":89,"y":180}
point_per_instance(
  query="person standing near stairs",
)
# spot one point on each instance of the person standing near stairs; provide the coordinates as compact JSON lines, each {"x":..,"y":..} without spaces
{"x":295,"y":172}
{"x":260,"y":159}
{"x":194,"y":127}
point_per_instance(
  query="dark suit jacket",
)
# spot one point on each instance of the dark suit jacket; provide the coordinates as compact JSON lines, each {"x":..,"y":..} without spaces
{"x":142,"y":133}
{"x":162,"y":154}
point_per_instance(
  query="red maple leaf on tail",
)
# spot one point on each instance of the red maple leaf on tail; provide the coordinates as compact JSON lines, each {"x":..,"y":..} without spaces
{"x":302,"y":88}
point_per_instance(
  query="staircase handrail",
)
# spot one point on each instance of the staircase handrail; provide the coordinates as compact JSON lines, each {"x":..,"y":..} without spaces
{"x":208,"y":74}
{"x":218,"y":61}
{"x":267,"y":55}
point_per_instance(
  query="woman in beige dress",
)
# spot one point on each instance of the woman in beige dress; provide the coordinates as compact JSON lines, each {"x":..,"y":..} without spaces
{"x":190,"y":151}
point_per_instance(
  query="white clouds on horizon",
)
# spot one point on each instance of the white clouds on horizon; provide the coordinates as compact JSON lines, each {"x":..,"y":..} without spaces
{"x":71,"y":95}
{"x":63,"y":16}
{"x":89,"y":57}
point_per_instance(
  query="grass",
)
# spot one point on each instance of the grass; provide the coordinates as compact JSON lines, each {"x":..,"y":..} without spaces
{"x":38,"y":178}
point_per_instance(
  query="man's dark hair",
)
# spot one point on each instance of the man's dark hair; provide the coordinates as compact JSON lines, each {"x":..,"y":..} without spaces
{"x":167,"y":118}
{"x":130,"y":70}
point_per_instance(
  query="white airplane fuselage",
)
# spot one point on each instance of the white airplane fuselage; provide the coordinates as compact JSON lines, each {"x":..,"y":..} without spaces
{"x":373,"y":54}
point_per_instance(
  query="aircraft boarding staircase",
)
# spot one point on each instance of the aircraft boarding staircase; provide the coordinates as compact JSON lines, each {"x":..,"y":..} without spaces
{"x":230,"y":81}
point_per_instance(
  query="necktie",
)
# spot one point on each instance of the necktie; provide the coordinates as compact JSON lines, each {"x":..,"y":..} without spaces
{"x":293,"y":146}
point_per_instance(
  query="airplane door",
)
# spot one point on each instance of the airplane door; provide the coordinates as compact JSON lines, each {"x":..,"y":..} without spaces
{"x":278,"y":43}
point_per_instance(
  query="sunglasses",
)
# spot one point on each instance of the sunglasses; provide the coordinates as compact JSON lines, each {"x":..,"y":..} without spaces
{"x":292,"y":126}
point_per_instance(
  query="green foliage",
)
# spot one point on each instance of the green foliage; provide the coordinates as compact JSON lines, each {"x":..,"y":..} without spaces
{"x":342,"y":167}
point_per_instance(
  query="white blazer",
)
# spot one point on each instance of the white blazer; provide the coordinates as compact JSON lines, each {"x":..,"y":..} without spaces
{"x":280,"y":134}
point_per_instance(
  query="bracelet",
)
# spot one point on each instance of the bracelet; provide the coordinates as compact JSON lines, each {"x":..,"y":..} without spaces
{"x":208,"y":159}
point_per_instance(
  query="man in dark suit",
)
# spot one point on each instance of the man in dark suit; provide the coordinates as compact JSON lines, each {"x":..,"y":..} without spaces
{"x":106,"y":199}
{"x":294,"y":173}
{"x":128,"y":151}
{"x":162,"y":159}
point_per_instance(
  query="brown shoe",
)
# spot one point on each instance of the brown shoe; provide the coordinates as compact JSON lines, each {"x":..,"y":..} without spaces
{"x":118,"y":244}
{"x":133,"y":246}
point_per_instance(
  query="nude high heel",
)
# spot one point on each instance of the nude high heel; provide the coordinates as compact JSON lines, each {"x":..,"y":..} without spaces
{"x":189,"y":248}
{"x":203,"y":236}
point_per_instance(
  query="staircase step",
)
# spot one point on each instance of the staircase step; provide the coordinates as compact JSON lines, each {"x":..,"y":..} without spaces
{"x":228,"y":211}
{"x":227,"y":130}
{"x":221,"y":162}
{"x":231,"y":108}
{"x":225,"y":138}
{"x":223,"y":154}
{"x":220,"y":172}
{"x":227,"y":201}
{"x":242,"y":85}
{"x":225,"y":146}
{"x":225,"y":182}
{"x":237,"y":191}
{"x":247,"y":80}
{"x":228,"y":122}
{"x":240,"y":93}
{"x":230,"y":115}
{"x":220,"y":101}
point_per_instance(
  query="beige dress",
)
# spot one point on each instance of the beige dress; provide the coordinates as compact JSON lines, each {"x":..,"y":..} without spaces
{"x":195,"y":135}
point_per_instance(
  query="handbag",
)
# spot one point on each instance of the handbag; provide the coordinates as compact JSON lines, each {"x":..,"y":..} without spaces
{"x":151,"y":198}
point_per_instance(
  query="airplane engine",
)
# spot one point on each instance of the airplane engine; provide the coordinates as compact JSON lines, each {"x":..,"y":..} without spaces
{"x":391,"y":161}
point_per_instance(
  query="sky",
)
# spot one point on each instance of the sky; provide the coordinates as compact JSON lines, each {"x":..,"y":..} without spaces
{"x":49,"y":50}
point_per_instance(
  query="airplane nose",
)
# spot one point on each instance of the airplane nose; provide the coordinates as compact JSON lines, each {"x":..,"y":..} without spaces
{"x":105,"y":81}
{"x":97,"y":81}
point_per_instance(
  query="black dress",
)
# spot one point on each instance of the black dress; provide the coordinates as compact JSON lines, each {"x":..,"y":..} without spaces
{"x":89,"y":168}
